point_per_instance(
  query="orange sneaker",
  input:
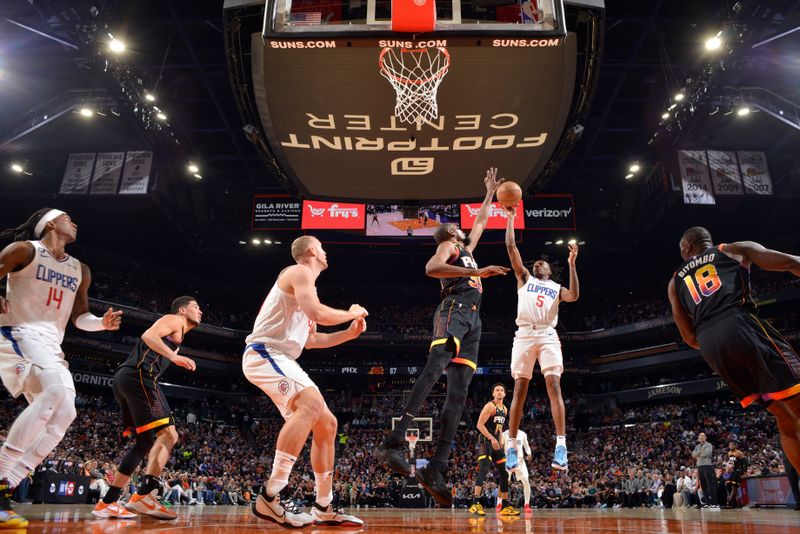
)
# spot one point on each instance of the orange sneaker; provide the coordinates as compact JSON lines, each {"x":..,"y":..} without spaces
{"x":148,"y":505}
{"x":527,"y":509}
{"x":115,"y":510}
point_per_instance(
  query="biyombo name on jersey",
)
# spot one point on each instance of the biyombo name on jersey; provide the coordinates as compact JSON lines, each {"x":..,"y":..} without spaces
{"x":48,"y":275}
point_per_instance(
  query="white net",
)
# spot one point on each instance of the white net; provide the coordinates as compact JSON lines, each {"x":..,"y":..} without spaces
{"x":415,"y":75}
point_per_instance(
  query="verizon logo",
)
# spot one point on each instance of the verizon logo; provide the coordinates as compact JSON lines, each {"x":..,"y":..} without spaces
{"x":549,"y":213}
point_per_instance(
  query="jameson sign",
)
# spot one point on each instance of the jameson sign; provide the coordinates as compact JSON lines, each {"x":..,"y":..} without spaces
{"x":671,"y":391}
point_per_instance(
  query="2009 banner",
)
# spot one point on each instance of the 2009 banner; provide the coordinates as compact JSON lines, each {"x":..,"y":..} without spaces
{"x":318,"y":215}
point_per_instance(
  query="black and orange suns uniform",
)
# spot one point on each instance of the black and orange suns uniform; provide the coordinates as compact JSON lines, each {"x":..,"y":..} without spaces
{"x":457,"y":320}
{"x":136,"y":388}
{"x":495,"y":425}
{"x":748,"y":353}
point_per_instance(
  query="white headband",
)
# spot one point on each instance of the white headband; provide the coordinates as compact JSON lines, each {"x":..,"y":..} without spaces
{"x":46,"y":218}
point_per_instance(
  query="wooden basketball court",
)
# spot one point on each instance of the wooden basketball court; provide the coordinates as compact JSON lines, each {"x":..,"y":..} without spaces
{"x":75,"y":519}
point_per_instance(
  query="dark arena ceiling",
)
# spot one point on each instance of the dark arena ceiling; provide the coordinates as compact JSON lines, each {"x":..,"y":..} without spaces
{"x":54,"y":59}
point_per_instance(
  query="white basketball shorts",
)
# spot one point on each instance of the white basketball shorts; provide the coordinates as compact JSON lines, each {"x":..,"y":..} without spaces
{"x":277,"y":375}
{"x":531,"y":346}
{"x":24,"y":355}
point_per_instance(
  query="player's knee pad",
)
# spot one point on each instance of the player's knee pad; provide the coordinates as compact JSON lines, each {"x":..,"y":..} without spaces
{"x":59,"y":417}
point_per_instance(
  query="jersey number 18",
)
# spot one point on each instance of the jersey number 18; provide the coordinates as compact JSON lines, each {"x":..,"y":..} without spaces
{"x":706,"y":279}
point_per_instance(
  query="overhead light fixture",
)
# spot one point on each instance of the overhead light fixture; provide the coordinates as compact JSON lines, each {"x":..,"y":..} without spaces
{"x":150,"y":97}
{"x":629,"y":176}
{"x":742,"y":111}
{"x":572,"y":241}
{"x":161,"y":116}
{"x":548,"y":243}
{"x":780,"y":112}
{"x":198,"y":176}
{"x":665,"y":115}
{"x":678,"y":97}
{"x":267,"y":242}
{"x":581,"y":243}
{"x":17,"y":168}
{"x":116,"y":46}
{"x":86,"y":112}
{"x":278,"y":243}
{"x":634,"y":168}
{"x":673,"y":106}
{"x":560,"y":242}
{"x":242,"y":242}
{"x":713,"y":43}
{"x":255,"y":241}
{"x":192,"y":167}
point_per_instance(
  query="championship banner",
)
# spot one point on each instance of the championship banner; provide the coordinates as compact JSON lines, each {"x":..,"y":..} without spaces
{"x":136,"y":175}
{"x":498,"y":216}
{"x":107,"y":172}
{"x":78,"y":174}
{"x":318,"y":215}
{"x":755,"y":174}
{"x":550,"y":212}
{"x":725,"y":172}
{"x":271,"y":212}
{"x":694,"y":177}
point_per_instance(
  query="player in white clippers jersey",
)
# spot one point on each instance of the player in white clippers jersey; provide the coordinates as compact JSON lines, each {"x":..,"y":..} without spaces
{"x":286,"y":324}
{"x":521,"y":471}
{"x":45,"y":289}
{"x":536,"y":339}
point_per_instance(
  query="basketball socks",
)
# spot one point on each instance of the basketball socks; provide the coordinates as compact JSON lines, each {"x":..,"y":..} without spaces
{"x":113,"y":495}
{"x":149,"y":483}
{"x":561,"y":441}
{"x":281,"y":468}
{"x":323,"y":485}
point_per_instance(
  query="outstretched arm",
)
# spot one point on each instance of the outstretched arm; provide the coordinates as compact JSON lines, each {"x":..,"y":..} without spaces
{"x":572,"y":294}
{"x":520,"y":271}
{"x":301,"y":281}
{"x":81,"y":316}
{"x":318,"y":340}
{"x":439,"y":265}
{"x":167,"y":326}
{"x":492,"y":183}
{"x":682,"y":319}
{"x":770,"y":260}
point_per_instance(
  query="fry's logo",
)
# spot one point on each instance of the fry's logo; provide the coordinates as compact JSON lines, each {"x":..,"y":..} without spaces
{"x":495,"y":211}
{"x":498,"y":218}
{"x":318,"y":215}
{"x":333,"y":211}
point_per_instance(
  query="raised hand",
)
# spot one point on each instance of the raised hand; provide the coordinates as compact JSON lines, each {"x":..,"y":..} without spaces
{"x":491,"y":181}
{"x":573,"y":254}
{"x":492,"y":270}
{"x":112,"y":319}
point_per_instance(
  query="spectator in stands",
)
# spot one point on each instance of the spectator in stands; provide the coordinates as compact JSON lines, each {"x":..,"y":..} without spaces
{"x":669,"y":491}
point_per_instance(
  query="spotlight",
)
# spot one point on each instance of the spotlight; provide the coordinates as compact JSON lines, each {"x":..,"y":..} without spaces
{"x":17,"y":168}
{"x":634,"y":168}
{"x":198,"y":176}
{"x":116,"y":46}
{"x":742,"y":111}
{"x":267,"y":242}
{"x":573,"y":241}
{"x":713,"y":43}
{"x":548,"y":243}
{"x":278,"y":243}
{"x":673,"y":106}
{"x":150,"y":97}
{"x":581,"y":243}
{"x":255,"y":241}
{"x":242,"y":242}
{"x":629,"y":176}
{"x":678,"y":97}
{"x":86,"y":112}
{"x":161,"y":116}
{"x":665,"y":115}
{"x":560,"y":242}
{"x":193,"y":168}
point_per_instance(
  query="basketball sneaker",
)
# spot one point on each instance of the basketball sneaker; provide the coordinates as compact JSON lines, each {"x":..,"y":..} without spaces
{"x":8,"y":517}
{"x":509,"y":510}
{"x":333,"y":516}
{"x":432,"y":480}
{"x":477,"y":508}
{"x":390,"y":452}
{"x":149,"y":505}
{"x":528,"y":509}
{"x":560,"y":458}
{"x":511,"y":459}
{"x":285,"y":513}
{"x":115,"y":510}
{"x":499,"y":506}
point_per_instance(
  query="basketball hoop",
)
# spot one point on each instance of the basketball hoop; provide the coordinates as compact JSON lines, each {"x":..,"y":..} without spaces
{"x":415,"y":75}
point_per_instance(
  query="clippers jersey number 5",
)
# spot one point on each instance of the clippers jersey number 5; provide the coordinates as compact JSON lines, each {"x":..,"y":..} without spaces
{"x":704,"y":283}
{"x":474,"y":281}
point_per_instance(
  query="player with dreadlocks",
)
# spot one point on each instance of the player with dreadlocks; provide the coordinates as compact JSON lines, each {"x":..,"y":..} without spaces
{"x":46,"y":288}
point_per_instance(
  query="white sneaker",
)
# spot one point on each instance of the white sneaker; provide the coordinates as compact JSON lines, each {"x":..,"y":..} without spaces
{"x":149,"y":505}
{"x":333,"y":516}
{"x":284,"y":513}
{"x":115,"y":510}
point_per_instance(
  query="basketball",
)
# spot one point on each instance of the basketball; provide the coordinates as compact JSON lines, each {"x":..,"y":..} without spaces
{"x":509,"y":194}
